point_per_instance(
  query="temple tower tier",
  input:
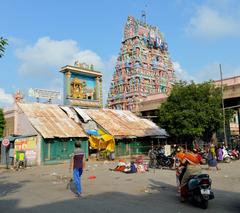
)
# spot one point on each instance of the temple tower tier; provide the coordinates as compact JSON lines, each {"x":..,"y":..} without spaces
{"x":143,"y":67}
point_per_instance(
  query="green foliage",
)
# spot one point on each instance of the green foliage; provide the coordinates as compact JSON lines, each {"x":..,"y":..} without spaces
{"x":191,"y":111}
{"x":3,"y":43}
{"x":2,"y":122}
{"x":229,"y":114}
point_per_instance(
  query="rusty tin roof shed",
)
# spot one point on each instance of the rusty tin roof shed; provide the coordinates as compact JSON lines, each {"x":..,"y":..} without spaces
{"x":50,"y":121}
{"x":122,"y":123}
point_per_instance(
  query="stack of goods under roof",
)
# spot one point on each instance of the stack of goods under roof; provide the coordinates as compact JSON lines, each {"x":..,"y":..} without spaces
{"x":143,"y":67}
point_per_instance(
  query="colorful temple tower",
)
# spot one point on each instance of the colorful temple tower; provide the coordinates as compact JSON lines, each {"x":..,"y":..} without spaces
{"x":143,"y":67}
{"x":82,"y":86}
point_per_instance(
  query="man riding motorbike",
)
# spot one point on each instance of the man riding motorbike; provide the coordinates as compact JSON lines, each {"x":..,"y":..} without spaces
{"x":192,"y":162}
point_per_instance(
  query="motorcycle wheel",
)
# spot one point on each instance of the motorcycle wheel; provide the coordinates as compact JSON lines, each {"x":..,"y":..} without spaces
{"x":204,"y":161}
{"x":151,"y":164}
{"x":227,"y":160}
{"x":170,"y":166}
{"x":204,"y":203}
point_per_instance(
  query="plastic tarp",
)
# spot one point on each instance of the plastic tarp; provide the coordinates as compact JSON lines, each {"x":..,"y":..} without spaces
{"x":104,"y":141}
{"x":93,"y":132}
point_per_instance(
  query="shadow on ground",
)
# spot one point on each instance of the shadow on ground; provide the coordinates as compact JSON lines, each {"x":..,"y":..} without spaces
{"x":8,"y":188}
{"x":160,"y":197}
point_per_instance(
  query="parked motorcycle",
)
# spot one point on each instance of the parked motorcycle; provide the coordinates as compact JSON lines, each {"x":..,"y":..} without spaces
{"x":204,"y":156}
{"x":159,"y":160}
{"x":226,"y":156}
{"x":198,"y":189}
{"x":234,"y":154}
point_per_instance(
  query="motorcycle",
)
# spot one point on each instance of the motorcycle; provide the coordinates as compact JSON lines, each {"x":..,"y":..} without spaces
{"x":234,"y":154}
{"x":226,"y":156}
{"x":204,"y":156}
{"x":159,"y":160}
{"x":198,"y":189}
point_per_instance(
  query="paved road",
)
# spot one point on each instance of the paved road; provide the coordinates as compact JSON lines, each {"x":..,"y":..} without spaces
{"x":43,"y":190}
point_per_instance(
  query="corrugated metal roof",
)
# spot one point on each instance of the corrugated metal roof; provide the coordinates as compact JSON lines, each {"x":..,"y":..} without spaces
{"x":50,"y":121}
{"x":122,"y":123}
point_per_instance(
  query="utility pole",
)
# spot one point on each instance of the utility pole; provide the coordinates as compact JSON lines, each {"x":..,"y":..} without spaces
{"x":223,"y":109}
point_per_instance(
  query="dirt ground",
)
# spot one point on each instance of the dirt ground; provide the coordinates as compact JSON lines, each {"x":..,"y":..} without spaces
{"x":43,"y":189}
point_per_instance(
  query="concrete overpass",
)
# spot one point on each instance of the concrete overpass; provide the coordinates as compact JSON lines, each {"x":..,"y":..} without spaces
{"x":231,"y":96}
{"x":231,"y":92}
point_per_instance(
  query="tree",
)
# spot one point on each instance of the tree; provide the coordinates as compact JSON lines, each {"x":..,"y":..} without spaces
{"x":192,"y":111}
{"x":2,"y":122}
{"x":3,"y":43}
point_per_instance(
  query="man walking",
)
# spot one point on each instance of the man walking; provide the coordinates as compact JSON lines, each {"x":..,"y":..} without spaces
{"x":77,"y":163}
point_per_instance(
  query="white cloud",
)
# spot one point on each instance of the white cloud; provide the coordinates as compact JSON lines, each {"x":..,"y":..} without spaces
{"x":108,"y":74}
{"x":45,"y":54}
{"x":209,"y":72}
{"x":212,"y":72}
{"x":56,"y":84}
{"x":214,"y":22}
{"x":5,"y":98}
{"x":182,"y":74}
{"x":44,"y":59}
{"x":89,"y":57}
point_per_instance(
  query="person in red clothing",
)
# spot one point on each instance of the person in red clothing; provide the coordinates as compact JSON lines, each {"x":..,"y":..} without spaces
{"x":192,"y":162}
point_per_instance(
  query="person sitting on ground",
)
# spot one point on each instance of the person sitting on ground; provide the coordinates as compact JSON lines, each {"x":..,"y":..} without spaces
{"x":120,"y":166}
{"x":132,"y":168}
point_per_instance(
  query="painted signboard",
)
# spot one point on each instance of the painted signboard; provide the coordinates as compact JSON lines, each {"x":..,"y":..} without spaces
{"x":43,"y":93}
{"x":29,"y":146}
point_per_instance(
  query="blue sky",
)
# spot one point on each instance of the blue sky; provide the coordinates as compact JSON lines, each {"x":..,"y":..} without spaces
{"x":46,"y":35}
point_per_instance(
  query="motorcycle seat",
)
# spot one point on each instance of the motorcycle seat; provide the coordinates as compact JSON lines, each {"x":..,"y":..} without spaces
{"x":199,"y":176}
{"x":203,"y":176}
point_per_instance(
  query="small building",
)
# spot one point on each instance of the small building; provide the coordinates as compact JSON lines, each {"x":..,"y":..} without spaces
{"x":47,"y":132}
{"x":10,"y":131}
{"x":54,"y":133}
{"x":82,"y":86}
{"x":132,"y":135}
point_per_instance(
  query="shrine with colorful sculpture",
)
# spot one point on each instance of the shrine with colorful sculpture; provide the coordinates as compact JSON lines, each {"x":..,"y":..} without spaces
{"x":82,"y":85}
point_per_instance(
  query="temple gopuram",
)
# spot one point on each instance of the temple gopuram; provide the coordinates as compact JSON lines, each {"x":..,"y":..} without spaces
{"x":144,"y":70}
{"x":82,"y":85}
